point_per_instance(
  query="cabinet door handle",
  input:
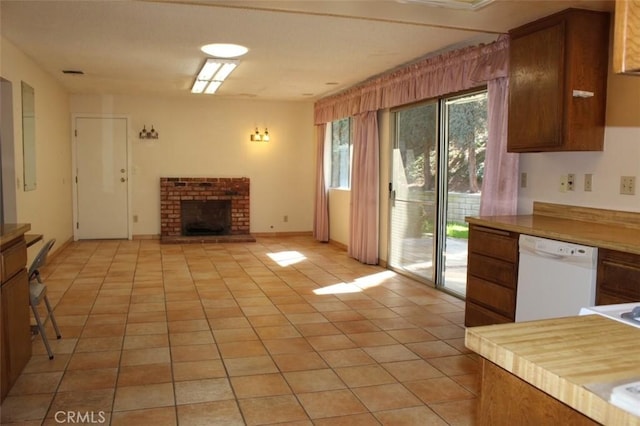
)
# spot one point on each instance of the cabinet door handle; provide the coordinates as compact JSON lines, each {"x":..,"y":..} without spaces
{"x":492,"y":230}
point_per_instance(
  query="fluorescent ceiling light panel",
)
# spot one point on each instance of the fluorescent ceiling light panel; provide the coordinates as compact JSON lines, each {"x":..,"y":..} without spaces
{"x":452,"y":4}
{"x":224,"y":50}
{"x":212,"y":74}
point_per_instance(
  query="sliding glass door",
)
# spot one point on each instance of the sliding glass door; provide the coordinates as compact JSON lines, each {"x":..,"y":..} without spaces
{"x":437,"y":168}
{"x":413,"y":189}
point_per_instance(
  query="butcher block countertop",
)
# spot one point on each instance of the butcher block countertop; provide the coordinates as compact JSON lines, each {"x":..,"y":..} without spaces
{"x":610,"y":229}
{"x":569,"y":358}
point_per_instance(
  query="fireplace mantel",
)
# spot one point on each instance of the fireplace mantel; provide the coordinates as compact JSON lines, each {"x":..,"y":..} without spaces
{"x":174,"y":190}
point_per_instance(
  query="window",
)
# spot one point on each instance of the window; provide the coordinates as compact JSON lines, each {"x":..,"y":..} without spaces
{"x":341,"y":153}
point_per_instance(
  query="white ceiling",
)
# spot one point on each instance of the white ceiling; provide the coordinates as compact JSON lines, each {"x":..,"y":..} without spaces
{"x":298,"y":50}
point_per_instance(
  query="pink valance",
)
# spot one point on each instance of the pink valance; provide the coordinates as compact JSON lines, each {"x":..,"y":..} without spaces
{"x":432,"y":77}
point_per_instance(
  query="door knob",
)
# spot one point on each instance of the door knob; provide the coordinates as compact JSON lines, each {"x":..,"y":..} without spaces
{"x":122,"y":179}
{"x":122,"y":170}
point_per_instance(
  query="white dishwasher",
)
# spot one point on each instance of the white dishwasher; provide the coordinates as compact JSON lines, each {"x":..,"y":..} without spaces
{"x":555,"y":278}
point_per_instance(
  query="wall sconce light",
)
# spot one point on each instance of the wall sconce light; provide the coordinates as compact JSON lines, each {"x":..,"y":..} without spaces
{"x":258,"y":137}
{"x":148,"y":134}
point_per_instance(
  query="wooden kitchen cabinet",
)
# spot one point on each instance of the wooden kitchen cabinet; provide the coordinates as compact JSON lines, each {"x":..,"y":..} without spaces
{"x":492,"y":274}
{"x":626,"y":39}
{"x":557,"y":83}
{"x":15,"y":329}
{"x":618,"y":278}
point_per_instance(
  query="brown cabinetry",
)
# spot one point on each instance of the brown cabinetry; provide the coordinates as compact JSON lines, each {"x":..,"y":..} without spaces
{"x":15,"y":336}
{"x":618,"y":277}
{"x":557,"y":83}
{"x":492,"y":274}
{"x":626,"y":40}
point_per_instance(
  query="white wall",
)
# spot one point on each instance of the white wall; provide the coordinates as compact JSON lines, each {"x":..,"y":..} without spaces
{"x":208,"y":136}
{"x":49,"y":207}
{"x":621,"y":157}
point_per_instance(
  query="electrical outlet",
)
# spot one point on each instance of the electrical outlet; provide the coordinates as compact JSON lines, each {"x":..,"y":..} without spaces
{"x":588,"y":182}
{"x":523,"y":180}
{"x":135,"y":218}
{"x":563,"y":183}
{"x":571,"y":182}
{"x":628,"y":185}
{"x":285,"y":218}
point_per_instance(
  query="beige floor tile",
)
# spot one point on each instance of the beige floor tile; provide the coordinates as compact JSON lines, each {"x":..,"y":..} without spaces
{"x":203,"y":352}
{"x":97,"y":344}
{"x":206,"y":334}
{"x":195,"y":370}
{"x":412,"y":370}
{"x":143,"y":396}
{"x":144,"y":375}
{"x":386,"y":397}
{"x":347,"y":357}
{"x":92,"y":360}
{"x":260,"y":385}
{"x":328,"y":343}
{"x":164,"y":416}
{"x":364,"y":375}
{"x":242,"y":349}
{"x":277,"y":332}
{"x":331,"y":403}
{"x":298,"y":362}
{"x":207,"y":390}
{"x":22,"y":408}
{"x":42,"y":363}
{"x":250,"y":366}
{"x":234,"y":335}
{"x":457,"y":412}
{"x":145,"y":356}
{"x":273,"y":409}
{"x":456,"y":365}
{"x":146,"y":341}
{"x":79,"y":380}
{"x":439,"y":389}
{"x":38,"y":383}
{"x":287,"y":346}
{"x":390,"y":353}
{"x":318,"y":329}
{"x":142,"y":328}
{"x":83,"y":401}
{"x":434,"y":349}
{"x":412,"y":416}
{"x":313,"y":380}
{"x":215,"y":413}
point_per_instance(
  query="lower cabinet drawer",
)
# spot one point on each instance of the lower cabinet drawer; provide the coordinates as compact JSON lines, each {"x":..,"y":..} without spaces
{"x":495,"y":297}
{"x":476,"y":315}
{"x":494,"y":270}
{"x":13,"y":259}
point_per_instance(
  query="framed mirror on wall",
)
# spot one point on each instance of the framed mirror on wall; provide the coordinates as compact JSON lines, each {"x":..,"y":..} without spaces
{"x":29,"y":137}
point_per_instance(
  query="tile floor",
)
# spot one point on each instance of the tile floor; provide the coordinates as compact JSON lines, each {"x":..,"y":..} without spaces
{"x":284,"y":330}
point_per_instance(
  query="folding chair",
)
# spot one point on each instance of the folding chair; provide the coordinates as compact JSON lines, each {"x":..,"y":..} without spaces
{"x":38,"y":293}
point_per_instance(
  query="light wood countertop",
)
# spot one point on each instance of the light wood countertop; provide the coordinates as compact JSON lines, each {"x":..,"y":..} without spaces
{"x":11,"y":231}
{"x":565,"y":356}
{"x":592,"y":227}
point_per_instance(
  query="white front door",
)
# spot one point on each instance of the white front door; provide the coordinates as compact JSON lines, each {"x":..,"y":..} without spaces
{"x":102,"y":178}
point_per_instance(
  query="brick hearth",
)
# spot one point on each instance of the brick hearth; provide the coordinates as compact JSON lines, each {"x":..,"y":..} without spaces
{"x":174,"y":190}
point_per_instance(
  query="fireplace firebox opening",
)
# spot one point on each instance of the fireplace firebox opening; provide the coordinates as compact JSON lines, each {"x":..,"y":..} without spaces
{"x":200,"y":217}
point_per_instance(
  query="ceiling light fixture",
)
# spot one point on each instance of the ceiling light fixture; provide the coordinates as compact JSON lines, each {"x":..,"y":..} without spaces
{"x":452,"y":4}
{"x":212,"y":74}
{"x":224,"y":50}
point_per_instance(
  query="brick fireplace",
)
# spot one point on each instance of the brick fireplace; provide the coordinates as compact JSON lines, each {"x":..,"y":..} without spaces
{"x":199,"y":209}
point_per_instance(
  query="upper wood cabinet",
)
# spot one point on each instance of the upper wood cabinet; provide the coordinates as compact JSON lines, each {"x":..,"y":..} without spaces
{"x":626,"y":39}
{"x":558,"y":81}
